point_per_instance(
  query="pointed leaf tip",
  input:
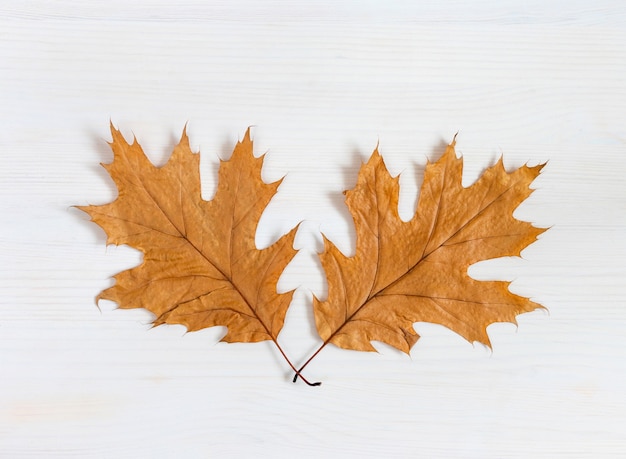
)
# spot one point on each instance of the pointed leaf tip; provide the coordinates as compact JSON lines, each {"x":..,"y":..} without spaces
{"x":184,"y":134}
{"x":184,"y":138}
{"x":246,"y":136}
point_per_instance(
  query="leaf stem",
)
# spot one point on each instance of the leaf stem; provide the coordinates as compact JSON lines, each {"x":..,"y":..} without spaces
{"x":298,"y":372}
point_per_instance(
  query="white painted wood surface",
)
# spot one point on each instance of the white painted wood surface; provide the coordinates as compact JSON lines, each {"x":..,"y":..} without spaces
{"x":322,"y":83}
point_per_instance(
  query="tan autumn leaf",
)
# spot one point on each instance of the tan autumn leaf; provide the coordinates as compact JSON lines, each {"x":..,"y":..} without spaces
{"x":416,"y":271}
{"x":200,"y":267}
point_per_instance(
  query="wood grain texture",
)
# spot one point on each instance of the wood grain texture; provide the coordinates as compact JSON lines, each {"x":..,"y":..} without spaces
{"x":322,"y":84}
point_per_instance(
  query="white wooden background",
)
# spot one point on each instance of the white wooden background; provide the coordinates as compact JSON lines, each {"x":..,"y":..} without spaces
{"x":321,"y":83}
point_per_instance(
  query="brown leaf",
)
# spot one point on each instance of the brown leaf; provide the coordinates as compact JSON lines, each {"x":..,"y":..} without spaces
{"x":201,"y":267}
{"x":416,"y":271}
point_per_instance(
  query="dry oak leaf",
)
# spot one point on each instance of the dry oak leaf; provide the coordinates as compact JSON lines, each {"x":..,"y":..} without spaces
{"x":416,"y":271}
{"x":201,"y":267}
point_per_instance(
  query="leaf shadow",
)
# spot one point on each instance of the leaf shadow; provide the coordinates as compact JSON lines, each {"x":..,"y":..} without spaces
{"x":322,"y":294}
{"x":226,"y":148}
{"x":435,"y":153}
{"x":337,"y":199}
{"x":101,"y":146}
{"x":413,"y":178}
{"x":161,"y":157}
{"x":439,"y":148}
{"x":210,"y":165}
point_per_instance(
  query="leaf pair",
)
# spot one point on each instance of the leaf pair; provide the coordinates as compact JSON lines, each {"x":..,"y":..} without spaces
{"x":201,"y":267}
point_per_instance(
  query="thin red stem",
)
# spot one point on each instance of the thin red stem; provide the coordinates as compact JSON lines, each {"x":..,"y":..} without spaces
{"x":299,"y":371}
{"x":294,"y":368}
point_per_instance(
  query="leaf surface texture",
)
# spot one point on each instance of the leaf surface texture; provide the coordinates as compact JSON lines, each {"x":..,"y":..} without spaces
{"x":201,"y":267}
{"x":416,"y":271}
